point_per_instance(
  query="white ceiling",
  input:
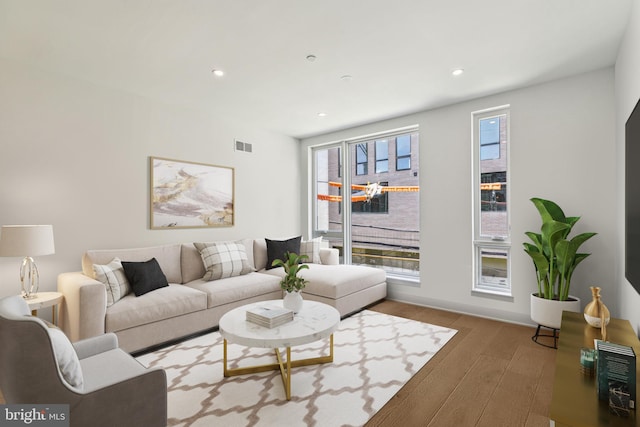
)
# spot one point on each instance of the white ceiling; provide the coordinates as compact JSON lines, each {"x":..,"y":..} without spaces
{"x":400,"y":53}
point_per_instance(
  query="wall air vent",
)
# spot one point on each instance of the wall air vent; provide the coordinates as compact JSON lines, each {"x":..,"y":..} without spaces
{"x":243,"y":146}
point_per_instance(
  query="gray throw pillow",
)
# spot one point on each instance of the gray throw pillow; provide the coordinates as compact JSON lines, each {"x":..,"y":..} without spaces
{"x":66,"y":357}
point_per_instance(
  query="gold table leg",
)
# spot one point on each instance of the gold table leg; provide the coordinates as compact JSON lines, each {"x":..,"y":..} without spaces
{"x":283,"y":366}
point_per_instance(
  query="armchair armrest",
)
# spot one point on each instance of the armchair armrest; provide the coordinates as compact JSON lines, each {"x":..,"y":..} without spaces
{"x":118,"y":403}
{"x":83,"y":310}
{"x":329,"y":256}
{"x":95,"y":345}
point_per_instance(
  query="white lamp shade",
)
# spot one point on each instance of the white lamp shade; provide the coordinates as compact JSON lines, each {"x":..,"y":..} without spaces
{"x":26,"y":240}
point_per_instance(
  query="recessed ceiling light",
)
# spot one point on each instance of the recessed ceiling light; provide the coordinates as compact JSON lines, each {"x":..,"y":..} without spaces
{"x":346,"y":78}
{"x":311,"y":58}
{"x":218,"y":73}
{"x":457,"y":72}
{"x":322,"y":114}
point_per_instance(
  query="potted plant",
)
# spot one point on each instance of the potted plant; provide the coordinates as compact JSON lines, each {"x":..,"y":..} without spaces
{"x":555,"y":257}
{"x":291,"y":283}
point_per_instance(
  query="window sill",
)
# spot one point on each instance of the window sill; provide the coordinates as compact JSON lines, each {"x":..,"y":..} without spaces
{"x":492,"y":293}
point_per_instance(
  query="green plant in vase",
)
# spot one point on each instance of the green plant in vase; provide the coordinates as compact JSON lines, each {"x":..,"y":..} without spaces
{"x":555,"y":255}
{"x":291,"y":282}
{"x":292,"y":264}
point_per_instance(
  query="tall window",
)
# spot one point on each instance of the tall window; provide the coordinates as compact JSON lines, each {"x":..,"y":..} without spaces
{"x":372,"y":215}
{"x":362,"y":159}
{"x":492,"y":232}
{"x":382,"y":156}
{"x":403,"y":152}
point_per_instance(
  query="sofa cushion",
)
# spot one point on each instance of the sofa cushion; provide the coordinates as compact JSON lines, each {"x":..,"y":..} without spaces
{"x":191,"y":263}
{"x":223,"y":259}
{"x":336,"y":281}
{"x":164,"y":303}
{"x":144,"y":276}
{"x":235,"y":289}
{"x":168,"y":257}
{"x":277,"y":249}
{"x":114,"y":280}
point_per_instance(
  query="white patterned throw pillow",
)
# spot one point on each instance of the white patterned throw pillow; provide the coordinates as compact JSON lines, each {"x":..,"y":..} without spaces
{"x":223,"y":259}
{"x":311,"y":248}
{"x":114,"y":279}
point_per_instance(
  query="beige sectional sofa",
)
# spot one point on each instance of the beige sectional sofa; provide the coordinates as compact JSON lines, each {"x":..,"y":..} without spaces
{"x":190,"y":304}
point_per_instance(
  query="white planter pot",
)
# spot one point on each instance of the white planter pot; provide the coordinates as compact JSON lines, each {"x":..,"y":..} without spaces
{"x":293,"y":301}
{"x":548,"y":312}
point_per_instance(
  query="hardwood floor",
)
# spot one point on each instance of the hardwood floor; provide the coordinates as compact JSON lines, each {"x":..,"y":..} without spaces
{"x":490,"y":374}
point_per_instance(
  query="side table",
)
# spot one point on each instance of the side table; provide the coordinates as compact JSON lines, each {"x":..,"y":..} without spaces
{"x":44,"y":300}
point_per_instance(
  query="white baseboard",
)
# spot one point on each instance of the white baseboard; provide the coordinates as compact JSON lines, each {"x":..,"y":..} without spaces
{"x":503,"y":316}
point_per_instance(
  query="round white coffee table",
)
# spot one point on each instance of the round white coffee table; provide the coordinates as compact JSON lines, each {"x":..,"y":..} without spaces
{"x":314,"y":322}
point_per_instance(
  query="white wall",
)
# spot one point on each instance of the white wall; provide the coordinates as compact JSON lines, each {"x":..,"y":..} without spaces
{"x":562,"y":148}
{"x":76,"y":155}
{"x":627,"y":92}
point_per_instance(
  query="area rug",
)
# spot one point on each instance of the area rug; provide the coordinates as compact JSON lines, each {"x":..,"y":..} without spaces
{"x":374,"y":356}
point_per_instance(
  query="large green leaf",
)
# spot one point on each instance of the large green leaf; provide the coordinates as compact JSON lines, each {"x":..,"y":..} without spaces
{"x":552,"y":233}
{"x":565,"y":255}
{"x":581,"y":238}
{"x":535,"y":238}
{"x":548,"y":210}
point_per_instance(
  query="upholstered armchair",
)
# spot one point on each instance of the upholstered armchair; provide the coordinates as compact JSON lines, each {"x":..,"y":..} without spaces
{"x":102,"y":384}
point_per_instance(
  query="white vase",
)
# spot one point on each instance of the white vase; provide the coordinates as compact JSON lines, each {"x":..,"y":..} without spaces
{"x":293,"y":301}
{"x":548,"y":312}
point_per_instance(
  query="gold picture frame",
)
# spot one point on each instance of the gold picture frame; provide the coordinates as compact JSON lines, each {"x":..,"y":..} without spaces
{"x":190,"y":195}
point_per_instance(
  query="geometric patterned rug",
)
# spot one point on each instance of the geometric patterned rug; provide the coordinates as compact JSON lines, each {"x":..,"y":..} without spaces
{"x":375,"y":354}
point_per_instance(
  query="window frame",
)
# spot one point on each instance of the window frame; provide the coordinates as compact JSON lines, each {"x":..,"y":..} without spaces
{"x":483,"y":243}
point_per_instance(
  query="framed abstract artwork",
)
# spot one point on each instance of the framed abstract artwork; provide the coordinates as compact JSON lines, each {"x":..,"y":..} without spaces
{"x":190,"y":195}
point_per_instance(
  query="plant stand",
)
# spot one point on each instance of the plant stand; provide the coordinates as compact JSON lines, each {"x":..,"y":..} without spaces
{"x":554,"y":336}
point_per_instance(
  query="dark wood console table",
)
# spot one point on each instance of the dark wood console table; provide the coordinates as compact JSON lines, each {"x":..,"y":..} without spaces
{"x":575,"y":401}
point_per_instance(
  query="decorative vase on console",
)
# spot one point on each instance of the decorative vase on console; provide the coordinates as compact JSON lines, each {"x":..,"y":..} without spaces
{"x":596,"y":313}
{"x":291,"y":283}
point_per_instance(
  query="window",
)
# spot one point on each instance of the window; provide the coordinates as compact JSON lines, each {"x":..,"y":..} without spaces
{"x":403,"y":152}
{"x":362,"y":159}
{"x":382,"y":156}
{"x":491,"y":239}
{"x":371,"y":215}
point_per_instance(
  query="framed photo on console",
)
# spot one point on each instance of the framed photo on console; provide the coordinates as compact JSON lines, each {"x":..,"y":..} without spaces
{"x":190,"y":195}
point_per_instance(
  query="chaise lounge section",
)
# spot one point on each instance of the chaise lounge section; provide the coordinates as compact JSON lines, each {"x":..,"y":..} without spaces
{"x":188,"y":303}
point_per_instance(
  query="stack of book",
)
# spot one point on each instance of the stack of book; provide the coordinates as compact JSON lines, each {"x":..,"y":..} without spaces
{"x":616,"y":371}
{"x":269,"y":316}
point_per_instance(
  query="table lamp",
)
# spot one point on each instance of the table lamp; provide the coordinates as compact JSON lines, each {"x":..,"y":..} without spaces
{"x":27,"y":241}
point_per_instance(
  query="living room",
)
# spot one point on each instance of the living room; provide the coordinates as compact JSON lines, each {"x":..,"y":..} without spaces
{"x":76,"y":148}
